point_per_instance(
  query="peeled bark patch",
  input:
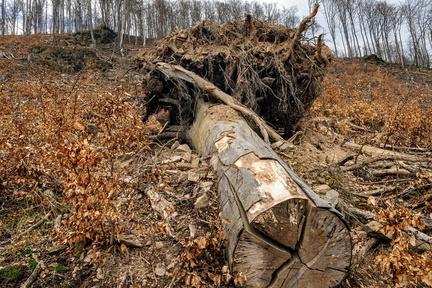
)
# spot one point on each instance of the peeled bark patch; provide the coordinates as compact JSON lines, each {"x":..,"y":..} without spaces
{"x":265,"y":67}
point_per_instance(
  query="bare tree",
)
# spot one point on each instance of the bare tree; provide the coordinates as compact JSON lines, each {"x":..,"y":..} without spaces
{"x":411,"y":11}
{"x":271,"y":12}
{"x":3,"y":17}
{"x":90,"y":22}
{"x":342,"y":12}
{"x":289,"y":17}
{"x":396,"y":21}
{"x":120,"y":27}
{"x":14,"y":10}
{"x":257,"y":10}
{"x":330,"y":10}
{"x":196,"y":13}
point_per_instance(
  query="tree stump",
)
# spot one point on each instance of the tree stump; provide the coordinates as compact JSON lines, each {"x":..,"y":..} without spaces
{"x":280,"y":233}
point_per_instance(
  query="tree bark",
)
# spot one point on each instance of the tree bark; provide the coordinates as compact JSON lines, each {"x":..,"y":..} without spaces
{"x":280,"y":233}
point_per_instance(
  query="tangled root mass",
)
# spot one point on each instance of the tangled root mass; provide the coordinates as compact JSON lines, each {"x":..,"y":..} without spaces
{"x":251,"y":60}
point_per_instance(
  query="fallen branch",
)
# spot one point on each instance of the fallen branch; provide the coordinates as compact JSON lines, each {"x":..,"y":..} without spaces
{"x":419,"y":235}
{"x":380,"y":191}
{"x":391,"y":171}
{"x":168,"y":134}
{"x":355,"y":127}
{"x":364,"y":163}
{"x":408,"y":167}
{"x":386,"y":153}
{"x":408,"y":190}
{"x":370,"y":215}
{"x":302,"y":27}
{"x":26,"y":231}
{"x":32,"y":276}
{"x":359,"y":254}
{"x":406,"y":148}
{"x":360,"y":212}
{"x":176,"y":71}
{"x":176,"y":274}
{"x":381,"y":158}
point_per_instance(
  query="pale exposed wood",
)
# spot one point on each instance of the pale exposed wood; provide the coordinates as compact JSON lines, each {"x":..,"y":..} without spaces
{"x":280,"y":233}
{"x":286,"y":229}
{"x":258,"y":259}
{"x":391,"y":171}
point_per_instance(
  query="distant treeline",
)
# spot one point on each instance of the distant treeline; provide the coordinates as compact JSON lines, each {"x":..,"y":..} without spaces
{"x":398,"y":33}
{"x":146,"y":18}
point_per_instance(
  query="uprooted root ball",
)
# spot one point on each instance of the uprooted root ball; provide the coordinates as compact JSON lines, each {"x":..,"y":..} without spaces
{"x":251,"y":60}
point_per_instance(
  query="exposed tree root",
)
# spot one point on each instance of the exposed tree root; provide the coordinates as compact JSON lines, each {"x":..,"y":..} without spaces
{"x":267,"y":68}
{"x":176,"y":71}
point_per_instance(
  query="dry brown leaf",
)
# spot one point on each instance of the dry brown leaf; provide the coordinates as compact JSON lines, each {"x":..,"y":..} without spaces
{"x":123,"y":248}
{"x":79,"y":125}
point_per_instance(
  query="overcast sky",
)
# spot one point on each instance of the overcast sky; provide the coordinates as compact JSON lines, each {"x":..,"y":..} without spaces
{"x":303,"y":7}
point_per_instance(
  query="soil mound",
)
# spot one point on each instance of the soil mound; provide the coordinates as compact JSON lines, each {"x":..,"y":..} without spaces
{"x":266,"y":67}
{"x":102,"y":35}
{"x":373,"y":58}
{"x":67,"y":60}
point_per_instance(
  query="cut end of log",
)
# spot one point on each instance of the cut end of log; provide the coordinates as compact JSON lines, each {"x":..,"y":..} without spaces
{"x":312,"y":246}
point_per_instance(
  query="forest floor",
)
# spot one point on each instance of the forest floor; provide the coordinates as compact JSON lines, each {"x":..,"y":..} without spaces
{"x":88,"y":199}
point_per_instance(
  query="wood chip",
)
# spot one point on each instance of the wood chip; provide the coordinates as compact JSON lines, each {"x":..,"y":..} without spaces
{"x":202,"y":201}
{"x":160,"y":269}
{"x":131,"y":240}
{"x":184,"y":148}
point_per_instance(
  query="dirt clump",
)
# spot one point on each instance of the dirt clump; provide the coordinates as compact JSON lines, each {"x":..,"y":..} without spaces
{"x":102,"y":35}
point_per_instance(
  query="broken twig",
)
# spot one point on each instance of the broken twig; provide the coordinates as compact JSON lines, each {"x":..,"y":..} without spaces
{"x":32,"y":276}
{"x":28,"y":230}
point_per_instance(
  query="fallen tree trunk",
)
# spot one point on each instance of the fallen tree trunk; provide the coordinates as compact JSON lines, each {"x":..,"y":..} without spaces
{"x":280,"y":233}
